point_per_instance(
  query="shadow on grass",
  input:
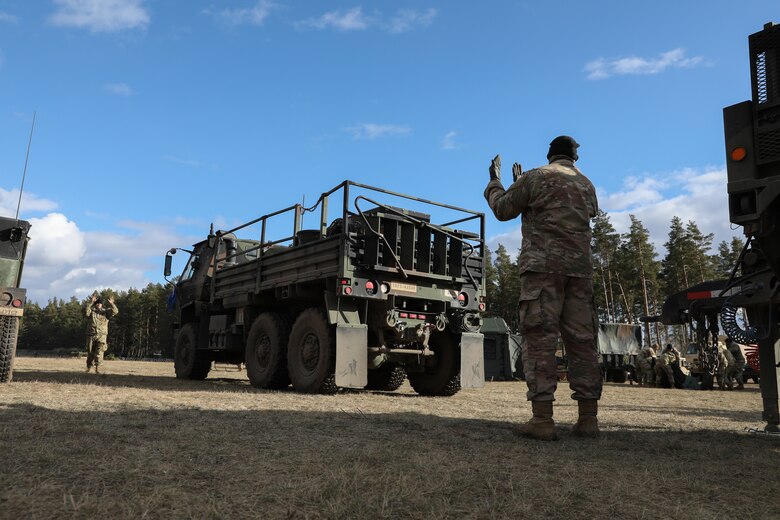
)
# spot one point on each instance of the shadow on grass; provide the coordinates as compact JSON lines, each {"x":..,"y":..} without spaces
{"x":198,"y":463}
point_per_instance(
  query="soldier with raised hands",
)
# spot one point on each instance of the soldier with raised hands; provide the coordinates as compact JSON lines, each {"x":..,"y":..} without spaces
{"x":97,"y":329}
{"x":557,"y":202}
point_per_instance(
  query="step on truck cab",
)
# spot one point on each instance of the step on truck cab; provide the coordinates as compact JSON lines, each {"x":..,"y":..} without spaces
{"x":369,"y":296}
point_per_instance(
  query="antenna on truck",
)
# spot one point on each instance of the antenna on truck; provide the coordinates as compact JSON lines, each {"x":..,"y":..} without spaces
{"x":24,"y":174}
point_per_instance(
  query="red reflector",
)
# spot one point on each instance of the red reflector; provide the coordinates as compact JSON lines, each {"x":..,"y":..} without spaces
{"x":700,"y":295}
{"x":347,"y":290}
{"x":413,"y":316}
{"x":344,"y":281}
{"x":16,"y":303}
{"x":403,"y":315}
{"x":482,"y":306}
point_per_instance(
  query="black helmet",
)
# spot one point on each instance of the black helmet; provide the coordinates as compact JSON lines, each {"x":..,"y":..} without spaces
{"x":563,"y":145}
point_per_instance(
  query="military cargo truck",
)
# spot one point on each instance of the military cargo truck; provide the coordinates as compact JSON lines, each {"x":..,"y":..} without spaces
{"x":13,"y":248}
{"x":369,"y":295}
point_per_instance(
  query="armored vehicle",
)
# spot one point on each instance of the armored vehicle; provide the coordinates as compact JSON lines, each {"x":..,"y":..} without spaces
{"x":13,"y":248}
{"x":367,"y":296}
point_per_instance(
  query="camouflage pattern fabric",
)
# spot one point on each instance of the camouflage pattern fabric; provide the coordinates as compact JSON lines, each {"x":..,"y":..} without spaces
{"x":664,"y":365}
{"x":644,"y":365}
{"x":556,"y":202}
{"x":553,"y":305}
{"x":97,"y":331}
{"x":737,"y":370}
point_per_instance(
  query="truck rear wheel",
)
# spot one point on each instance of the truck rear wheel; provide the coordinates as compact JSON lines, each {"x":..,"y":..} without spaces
{"x":266,"y":352}
{"x":311,"y":353}
{"x":443,"y":378}
{"x":9,"y":329}
{"x":188,"y":361}
{"x":388,"y":377}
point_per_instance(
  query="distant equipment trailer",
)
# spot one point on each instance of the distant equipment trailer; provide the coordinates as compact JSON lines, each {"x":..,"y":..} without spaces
{"x":13,"y":248}
{"x":360,"y":301}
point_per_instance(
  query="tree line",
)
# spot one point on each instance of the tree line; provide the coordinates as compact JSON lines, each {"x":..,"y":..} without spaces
{"x":629,"y":281}
{"x":141,"y":329}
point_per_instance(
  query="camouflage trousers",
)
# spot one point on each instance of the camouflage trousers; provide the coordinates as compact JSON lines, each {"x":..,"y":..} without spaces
{"x":96,"y":346}
{"x":645,"y":371}
{"x":551,"y":307}
{"x":736,"y":372}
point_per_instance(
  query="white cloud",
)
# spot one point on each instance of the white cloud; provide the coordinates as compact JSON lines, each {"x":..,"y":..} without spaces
{"x":691,"y":194}
{"x":348,"y":20}
{"x":64,"y":261}
{"x":7,"y":18}
{"x":100,"y":15}
{"x":56,"y":241}
{"x":120,"y":89}
{"x":371,"y":131}
{"x":406,"y":20}
{"x":255,"y":15}
{"x":602,"y":68}
{"x":186,"y":162}
{"x":354,"y":19}
{"x":30,"y":202}
{"x":448,"y":141}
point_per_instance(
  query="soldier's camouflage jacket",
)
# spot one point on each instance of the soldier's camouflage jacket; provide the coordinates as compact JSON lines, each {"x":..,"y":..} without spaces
{"x":97,"y":320}
{"x":556,"y":202}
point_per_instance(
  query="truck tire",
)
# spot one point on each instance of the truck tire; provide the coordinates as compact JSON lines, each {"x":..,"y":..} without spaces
{"x":188,"y":361}
{"x":311,"y":353}
{"x":388,"y":377}
{"x":266,"y":352}
{"x":443,"y":378}
{"x":9,"y":329}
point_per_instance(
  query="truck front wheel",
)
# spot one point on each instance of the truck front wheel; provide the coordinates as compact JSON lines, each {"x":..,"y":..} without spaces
{"x":190,"y":362}
{"x":311,"y":353}
{"x":266,"y":352}
{"x":9,"y":329}
{"x":443,"y":377}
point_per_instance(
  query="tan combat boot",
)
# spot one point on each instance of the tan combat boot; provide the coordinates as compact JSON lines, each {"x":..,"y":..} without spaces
{"x":97,"y":369}
{"x":587,"y":425}
{"x":541,"y":426}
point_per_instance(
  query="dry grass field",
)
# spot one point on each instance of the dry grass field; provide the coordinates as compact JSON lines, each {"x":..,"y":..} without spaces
{"x":137,"y":443}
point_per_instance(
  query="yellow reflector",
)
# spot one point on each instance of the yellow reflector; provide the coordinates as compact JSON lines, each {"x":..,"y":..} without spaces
{"x":739,"y":153}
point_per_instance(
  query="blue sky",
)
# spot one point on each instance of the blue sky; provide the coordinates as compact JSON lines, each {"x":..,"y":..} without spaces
{"x":157,"y":117}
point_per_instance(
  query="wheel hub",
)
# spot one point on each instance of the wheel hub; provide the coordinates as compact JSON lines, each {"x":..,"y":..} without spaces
{"x":310,"y":353}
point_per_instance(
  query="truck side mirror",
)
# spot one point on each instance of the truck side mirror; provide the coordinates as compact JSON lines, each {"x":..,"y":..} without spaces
{"x":168,"y":262}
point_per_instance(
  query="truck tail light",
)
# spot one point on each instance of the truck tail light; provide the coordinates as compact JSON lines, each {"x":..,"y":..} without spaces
{"x":16,"y":303}
{"x":371,"y":287}
{"x":463,"y":299}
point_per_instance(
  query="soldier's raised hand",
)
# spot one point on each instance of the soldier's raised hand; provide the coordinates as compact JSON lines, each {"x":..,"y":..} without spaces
{"x":495,"y":168}
{"x":517,"y":171}
{"x":111,"y":300}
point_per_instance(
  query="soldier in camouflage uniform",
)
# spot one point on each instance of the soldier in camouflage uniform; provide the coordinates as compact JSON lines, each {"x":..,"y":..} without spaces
{"x":663,"y":365}
{"x":726,"y":363}
{"x":97,"y":329}
{"x":556,"y":202}
{"x":644,"y":364}
{"x":736,"y":371}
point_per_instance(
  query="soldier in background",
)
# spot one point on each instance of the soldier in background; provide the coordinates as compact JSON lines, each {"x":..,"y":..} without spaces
{"x":556,"y":202}
{"x":726,"y":363}
{"x":663,"y":365}
{"x":645,"y":362}
{"x":97,"y":329}
{"x":736,"y":371}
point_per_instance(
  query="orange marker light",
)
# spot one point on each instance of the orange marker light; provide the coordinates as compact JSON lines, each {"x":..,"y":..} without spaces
{"x":738,"y":153}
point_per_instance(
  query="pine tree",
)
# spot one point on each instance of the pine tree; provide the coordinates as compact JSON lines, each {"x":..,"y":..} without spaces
{"x":604,"y":247}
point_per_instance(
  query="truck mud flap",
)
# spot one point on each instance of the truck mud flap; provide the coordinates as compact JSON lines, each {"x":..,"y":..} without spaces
{"x":472,"y":360}
{"x":351,"y":356}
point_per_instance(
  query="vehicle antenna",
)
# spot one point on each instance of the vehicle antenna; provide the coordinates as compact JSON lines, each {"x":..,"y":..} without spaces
{"x":24,"y":174}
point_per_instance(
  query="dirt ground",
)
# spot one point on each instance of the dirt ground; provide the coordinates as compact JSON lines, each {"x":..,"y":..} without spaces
{"x":137,"y":443}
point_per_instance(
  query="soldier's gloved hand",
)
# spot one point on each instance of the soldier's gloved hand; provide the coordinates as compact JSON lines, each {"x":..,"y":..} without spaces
{"x":517,"y":171}
{"x":495,"y":168}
